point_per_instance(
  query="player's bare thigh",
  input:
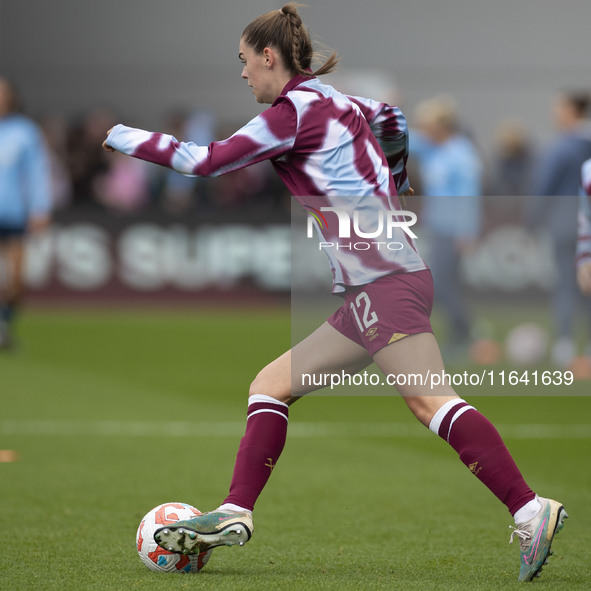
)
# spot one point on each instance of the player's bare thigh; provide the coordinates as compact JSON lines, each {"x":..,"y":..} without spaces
{"x":416,"y":354}
{"x":324,"y":351}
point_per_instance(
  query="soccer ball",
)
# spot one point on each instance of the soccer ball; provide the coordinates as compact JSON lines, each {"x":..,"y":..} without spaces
{"x":526,"y":344}
{"x":159,"y":559}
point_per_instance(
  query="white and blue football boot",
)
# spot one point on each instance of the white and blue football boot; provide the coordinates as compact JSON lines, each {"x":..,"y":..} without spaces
{"x":206,"y":531}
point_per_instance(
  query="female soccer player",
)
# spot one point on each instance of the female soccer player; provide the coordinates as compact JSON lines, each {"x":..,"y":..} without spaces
{"x":24,"y":201}
{"x":348,"y":154}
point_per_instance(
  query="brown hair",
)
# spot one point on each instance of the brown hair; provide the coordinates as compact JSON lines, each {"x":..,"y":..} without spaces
{"x":283,"y":30}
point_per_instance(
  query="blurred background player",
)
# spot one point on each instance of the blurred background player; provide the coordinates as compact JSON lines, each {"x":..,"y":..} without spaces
{"x":450,"y":171}
{"x":24,"y":200}
{"x":583,"y":258}
{"x":581,"y":365}
{"x":513,"y":161}
{"x":348,"y":152}
{"x":553,"y":207}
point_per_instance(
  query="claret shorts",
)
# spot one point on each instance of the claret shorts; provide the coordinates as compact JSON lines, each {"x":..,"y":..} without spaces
{"x":387,"y":310}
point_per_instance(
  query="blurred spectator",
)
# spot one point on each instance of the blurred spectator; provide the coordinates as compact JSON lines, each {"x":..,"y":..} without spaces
{"x":451,"y":179}
{"x":86,"y":157}
{"x":557,"y":177}
{"x":55,"y":131}
{"x":583,"y":261}
{"x":24,"y":200}
{"x":513,"y":161}
{"x":124,"y":186}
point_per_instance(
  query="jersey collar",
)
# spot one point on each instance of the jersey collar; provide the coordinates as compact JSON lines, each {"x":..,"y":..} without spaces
{"x":296,"y":81}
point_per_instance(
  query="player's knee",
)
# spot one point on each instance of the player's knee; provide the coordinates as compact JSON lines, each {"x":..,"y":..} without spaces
{"x":254,"y":387}
{"x":419,"y":409}
{"x":258,"y":385}
{"x":425,"y":407}
{"x":268,"y":386}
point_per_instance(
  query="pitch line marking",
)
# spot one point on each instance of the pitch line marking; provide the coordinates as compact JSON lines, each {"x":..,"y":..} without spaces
{"x":383,"y":430}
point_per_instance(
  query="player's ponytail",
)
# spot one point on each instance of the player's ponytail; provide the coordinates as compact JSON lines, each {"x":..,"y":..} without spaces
{"x":284,"y":30}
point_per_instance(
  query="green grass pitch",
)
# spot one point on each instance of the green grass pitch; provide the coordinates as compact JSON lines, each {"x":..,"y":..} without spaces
{"x":112,"y":413}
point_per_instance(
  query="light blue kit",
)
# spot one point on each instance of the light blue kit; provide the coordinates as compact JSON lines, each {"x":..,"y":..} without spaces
{"x":24,"y":176}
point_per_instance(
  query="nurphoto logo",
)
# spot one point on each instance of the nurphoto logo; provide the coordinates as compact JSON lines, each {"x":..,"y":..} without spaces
{"x":388,"y":225}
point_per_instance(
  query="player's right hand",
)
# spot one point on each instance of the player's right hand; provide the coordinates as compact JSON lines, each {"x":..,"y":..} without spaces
{"x":105,"y":147}
{"x":584,"y":278}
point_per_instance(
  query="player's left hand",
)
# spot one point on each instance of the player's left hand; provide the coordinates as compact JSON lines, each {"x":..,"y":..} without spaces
{"x":105,"y":147}
{"x":584,"y":278}
{"x":409,"y":192}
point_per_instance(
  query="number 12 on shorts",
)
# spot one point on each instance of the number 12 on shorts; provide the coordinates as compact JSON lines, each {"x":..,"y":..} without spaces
{"x":363,"y":304}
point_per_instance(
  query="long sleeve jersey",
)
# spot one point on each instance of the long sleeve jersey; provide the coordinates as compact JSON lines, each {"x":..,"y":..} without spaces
{"x":584,"y":227}
{"x":330,"y":150}
{"x":24,"y":176}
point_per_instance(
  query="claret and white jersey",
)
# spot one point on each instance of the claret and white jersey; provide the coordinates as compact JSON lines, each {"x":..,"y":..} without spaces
{"x":330,"y":150}
{"x":584,"y":230}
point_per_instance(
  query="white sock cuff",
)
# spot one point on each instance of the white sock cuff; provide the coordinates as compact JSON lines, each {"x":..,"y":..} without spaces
{"x":230,"y":507}
{"x":528,"y":511}
{"x":441,"y":414}
{"x":266,"y":399}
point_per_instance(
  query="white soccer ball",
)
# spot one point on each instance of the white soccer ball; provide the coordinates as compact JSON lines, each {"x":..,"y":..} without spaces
{"x":157,"y":558}
{"x":526,"y":344}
